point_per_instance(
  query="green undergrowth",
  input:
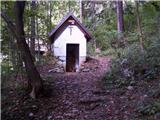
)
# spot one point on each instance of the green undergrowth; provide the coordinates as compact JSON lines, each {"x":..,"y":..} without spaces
{"x":139,"y":70}
{"x":133,"y":64}
{"x":148,"y":109}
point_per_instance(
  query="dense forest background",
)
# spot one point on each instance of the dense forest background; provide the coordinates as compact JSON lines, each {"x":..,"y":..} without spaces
{"x":100,"y":17}
{"x":128,"y":31}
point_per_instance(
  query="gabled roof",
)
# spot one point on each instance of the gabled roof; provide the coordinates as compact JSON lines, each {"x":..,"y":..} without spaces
{"x":78,"y":23}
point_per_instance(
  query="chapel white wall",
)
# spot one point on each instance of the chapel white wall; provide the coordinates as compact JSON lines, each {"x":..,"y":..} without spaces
{"x":76,"y":37}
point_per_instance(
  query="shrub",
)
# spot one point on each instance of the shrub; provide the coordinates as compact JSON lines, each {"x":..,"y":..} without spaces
{"x":90,"y":49}
{"x":149,"y":109}
{"x":104,"y":36}
{"x":133,"y":64}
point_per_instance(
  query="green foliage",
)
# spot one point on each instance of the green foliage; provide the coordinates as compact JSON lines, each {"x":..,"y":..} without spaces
{"x":149,"y":109}
{"x":44,"y":59}
{"x":155,"y":93}
{"x":110,"y":51}
{"x":6,"y":68}
{"x":90,"y":49}
{"x":141,"y":64}
{"x":6,"y":73}
{"x":105,"y":37}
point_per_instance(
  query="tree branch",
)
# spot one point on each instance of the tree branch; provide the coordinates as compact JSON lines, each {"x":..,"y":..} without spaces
{"x":9,"y":23}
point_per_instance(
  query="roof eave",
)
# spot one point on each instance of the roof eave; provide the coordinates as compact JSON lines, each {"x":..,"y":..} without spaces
{"x":51,"y":34}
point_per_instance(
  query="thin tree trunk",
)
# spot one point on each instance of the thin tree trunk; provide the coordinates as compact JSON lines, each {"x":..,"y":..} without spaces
{"x":93,"y":20}
{"x":34,"y":79}
{"x":50,"y":17}
{"x":69,"y":6}
{"x":92,"y":11}
{"x":28,"y":23}
{"x":12,"y":49}
{"x":32,"y":47}
{"x":47,"y":8}
{"x":80,"y":11}
{"x":120,"y":25}
{"x":139,"y":29}
{"x":83,"y":11}
{"x":37,"y":35}
{"x":38,"y":46}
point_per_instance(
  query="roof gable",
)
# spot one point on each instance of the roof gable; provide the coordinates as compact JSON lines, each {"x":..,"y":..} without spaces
{"x":77,"y":23}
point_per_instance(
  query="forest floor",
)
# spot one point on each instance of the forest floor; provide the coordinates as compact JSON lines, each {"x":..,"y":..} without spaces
{"x":79,"y":96}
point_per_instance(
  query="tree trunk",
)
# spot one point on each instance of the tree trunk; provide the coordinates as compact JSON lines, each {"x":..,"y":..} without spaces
{"x":120,"y":24}
{"x":34,"y":79}
{"x":28,"y":25}
{"x":92,"y":10}
{"x":139,"y":29}
{"x":12,"y":48}
{"x":38,"y":46}
{"x":80,"y":10}
{"x":69,"y":6}
{"x":50,"y":17}
{"x":33,"y":76}
{"x":32,"y":47}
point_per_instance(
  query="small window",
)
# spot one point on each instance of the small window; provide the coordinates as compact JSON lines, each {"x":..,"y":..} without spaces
{"x":71,"y":21}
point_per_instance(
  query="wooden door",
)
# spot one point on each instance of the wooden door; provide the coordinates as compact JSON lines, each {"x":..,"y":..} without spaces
{"x":72,"y":57}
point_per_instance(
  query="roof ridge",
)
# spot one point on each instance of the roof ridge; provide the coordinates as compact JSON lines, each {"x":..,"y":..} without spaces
{"x":63,"y":20}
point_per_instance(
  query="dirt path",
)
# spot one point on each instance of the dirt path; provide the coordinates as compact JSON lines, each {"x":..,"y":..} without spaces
{"x":81,"y":95}
{"x":68,"y":96}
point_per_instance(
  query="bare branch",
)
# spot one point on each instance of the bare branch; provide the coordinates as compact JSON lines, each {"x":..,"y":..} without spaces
{"x":9,"y":23}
